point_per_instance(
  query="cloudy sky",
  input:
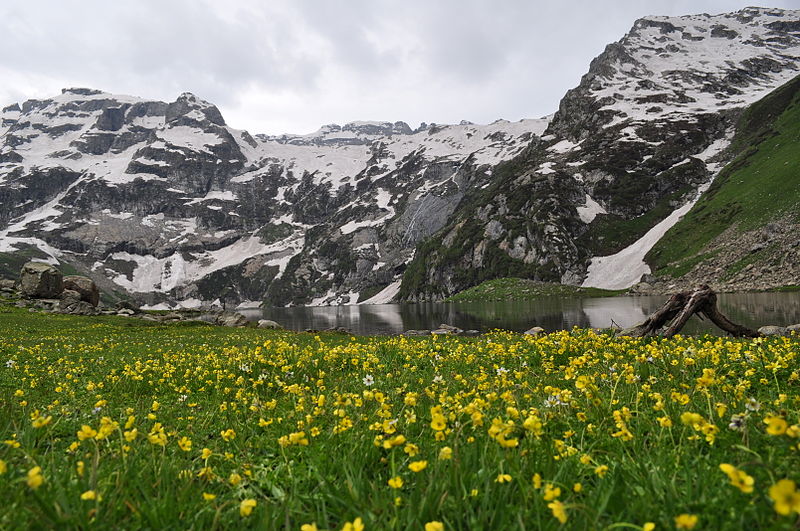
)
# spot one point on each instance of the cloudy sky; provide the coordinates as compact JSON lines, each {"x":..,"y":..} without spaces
{"x":292,"y":65}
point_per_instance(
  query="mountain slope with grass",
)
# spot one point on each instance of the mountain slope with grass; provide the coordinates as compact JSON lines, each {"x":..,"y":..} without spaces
{"x":647,"y":129}
{"x":744,"y":232}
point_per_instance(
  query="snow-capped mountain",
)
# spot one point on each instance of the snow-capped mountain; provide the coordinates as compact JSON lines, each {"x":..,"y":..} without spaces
{"x":166,"y":202}
{"x":645,"y":131}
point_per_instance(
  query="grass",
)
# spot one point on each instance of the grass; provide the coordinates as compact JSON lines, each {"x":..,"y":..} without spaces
{"x":516,"y":289}
{"x":761,"y":185}
{"x":118,"y":423}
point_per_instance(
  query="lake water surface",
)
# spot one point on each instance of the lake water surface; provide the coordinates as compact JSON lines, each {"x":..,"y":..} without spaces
{"x":751,"y":309}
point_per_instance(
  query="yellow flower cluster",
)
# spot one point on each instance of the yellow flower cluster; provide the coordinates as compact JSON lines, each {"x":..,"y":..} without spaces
{"x":431,"y":431}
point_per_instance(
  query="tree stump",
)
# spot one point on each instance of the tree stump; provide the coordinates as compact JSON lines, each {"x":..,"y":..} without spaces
{"x":677,"y":310}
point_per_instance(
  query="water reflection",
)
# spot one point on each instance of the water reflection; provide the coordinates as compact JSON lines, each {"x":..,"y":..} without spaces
{"x":751,"y":309}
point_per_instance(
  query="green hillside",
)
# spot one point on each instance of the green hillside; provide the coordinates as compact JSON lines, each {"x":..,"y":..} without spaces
{"x":760,"y":186}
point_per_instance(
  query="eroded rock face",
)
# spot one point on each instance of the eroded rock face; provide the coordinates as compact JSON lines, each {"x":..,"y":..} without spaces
{"x":85,"y":287}
{"x":41,"y":281}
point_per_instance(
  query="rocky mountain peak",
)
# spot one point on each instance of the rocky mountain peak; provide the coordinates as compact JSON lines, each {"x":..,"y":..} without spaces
{"x":674,"y":67}
{"x":188,"y":109}
{"x":81,"y":91}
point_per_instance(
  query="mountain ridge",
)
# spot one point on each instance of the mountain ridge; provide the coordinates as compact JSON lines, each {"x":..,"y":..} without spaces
{"x":167,"y":203}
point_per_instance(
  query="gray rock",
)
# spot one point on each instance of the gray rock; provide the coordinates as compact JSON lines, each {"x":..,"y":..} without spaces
{"x":450,"y":329}
{"x":441,"y":332}
{"x":126,"y":305}
{"x":72,"y":305}
{"x":7,"y":284}
{"x":41,"y":281}
{"x":85,"y":286}
{"x":793,"y":328}
{"x":69,"y":297}
{"x":771,"y":330}
{"x":233,"y":319}
{"x":416,"y":332}
{"x":471,"y":333}
{"x":125,"y":312}
{"x":535,"y":331}
{"x":266,"y":323}
{"x":338,"y":329}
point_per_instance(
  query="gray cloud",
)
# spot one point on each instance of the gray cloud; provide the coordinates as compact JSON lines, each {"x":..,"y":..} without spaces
{"x":293,"y":65}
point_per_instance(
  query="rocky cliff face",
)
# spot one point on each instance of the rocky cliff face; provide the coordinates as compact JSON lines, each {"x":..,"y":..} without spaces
{"x":166,"y":202}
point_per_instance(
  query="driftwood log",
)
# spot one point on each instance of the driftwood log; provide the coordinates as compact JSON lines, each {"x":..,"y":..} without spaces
{"x":677,"y":310}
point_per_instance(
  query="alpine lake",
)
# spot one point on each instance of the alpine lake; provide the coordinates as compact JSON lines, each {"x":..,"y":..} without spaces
{"x":551,"y":313}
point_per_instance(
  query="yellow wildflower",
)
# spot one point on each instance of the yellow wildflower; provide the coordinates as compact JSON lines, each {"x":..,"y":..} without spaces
{"x":503,"y":478}
{"x":357,"y":525}
{"x":434,"y":526}
{"x":86,"y":432}
{"x":685,"y":521}
{"x":418,"y":466}
{"x":559,"y":511}
{"x":551,"y":492}
{"x":35,"y":478}
{"x":775,"y":425}
{"x":739,"y":478}
{"x":785,"y":497}
{"x":185,"y":444}
{"x":396,"y":482}
{"x":246,"y":506}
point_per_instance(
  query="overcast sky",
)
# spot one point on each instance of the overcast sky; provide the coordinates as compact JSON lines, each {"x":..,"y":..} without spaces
{"x":294,"y":65}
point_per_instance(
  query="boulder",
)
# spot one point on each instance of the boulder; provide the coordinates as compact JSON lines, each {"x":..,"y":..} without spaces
{"x":266,"y":323}
{"x":125,"y":312}
{"x":771,"y":330}
{"x":126,"y":305}
{"x":231,"y":319}
{"x":793,"y":328}
{"x":71,"y":303}
{"x":416,"y":332}
{"x":69,"y":297}
{"x":85,"y":286}
{"x":448,"y":329}
{"x":535,"y":331}
{"x":40,"y":281}
{"x":7,"y":284}
{"x":338,"y":329}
